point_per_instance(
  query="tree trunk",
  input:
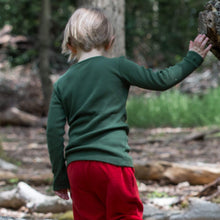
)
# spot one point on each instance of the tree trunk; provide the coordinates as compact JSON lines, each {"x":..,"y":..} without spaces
{"x":115,"y":11}
{"x":209,"y":24}
{"x":44,"y":39}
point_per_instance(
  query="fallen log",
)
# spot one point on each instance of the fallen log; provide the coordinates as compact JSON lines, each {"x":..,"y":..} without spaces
{"x":174,"y":173}
{"x":144,"y":141}
{"x":210,"y":189}
{"x":14,"y":116}
{"x":198,"y":136}
{"x":24,"y":195}
{"x":161,"y":171}
{"x":35,"y":179}
{"x":4,"y":165}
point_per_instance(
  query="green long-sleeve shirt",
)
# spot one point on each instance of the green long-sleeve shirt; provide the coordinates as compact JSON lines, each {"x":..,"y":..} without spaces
{"x":91,"y":96}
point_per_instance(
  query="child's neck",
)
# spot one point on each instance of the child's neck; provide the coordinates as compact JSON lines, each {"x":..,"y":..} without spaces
{"x":83,"y":55}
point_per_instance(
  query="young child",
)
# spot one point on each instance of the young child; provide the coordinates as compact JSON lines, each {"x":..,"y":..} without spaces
{"x":91,"y":96}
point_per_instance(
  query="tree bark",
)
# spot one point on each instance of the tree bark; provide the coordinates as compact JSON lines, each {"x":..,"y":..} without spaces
{"x":115,"y":11}
{"x":209,"y":24}
{"x":44,"y":39}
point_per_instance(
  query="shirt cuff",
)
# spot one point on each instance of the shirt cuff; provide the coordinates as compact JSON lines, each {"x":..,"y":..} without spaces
{"x":194,"y":58}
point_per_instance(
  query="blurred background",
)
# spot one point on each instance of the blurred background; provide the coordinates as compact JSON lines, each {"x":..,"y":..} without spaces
{"x":181,"y":125}
{"x":157,"y":35}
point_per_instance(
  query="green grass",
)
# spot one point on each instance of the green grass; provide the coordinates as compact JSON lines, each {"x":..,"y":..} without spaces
{"x":171,"y":108}
{"x":157,"y":194}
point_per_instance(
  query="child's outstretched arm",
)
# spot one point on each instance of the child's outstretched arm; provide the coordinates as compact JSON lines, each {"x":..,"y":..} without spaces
{"x":199,"y":45}
{"x":166,"y":78}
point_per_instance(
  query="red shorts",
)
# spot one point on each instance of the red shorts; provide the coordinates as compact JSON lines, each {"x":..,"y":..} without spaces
{"x":102,"y":191}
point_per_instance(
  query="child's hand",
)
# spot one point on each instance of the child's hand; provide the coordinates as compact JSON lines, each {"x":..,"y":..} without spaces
{"x":62,"y":194}
{"x":199,"y":45}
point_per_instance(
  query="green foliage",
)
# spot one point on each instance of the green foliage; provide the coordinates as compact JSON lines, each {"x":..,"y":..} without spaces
{"x":60,"y":13}
{"x":171,"y":108}
{"x":13,"y":180}
{"x":157,"y":194}
{"x":64,"y":216}
{"x":17,"y":57}
{"x":160,"y":30}
{"x":24,"y":17}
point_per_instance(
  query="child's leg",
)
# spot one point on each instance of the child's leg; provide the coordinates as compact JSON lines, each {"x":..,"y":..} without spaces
{"x":123,"y":201}
{"x":86,"y":204}
{"x":101,"y":191}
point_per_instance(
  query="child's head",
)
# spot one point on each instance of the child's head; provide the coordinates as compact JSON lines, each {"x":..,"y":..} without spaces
{"x":85,"y":30}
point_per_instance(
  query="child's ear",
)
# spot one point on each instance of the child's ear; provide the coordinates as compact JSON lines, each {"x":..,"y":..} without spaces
{"x":111,"y":42}
{"x":71,"y":48}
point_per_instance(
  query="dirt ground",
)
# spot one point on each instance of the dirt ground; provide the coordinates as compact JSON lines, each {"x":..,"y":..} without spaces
{"x":27,"y":148}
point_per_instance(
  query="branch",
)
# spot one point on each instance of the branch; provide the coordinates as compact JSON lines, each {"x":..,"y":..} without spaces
{"x":33,"y":200}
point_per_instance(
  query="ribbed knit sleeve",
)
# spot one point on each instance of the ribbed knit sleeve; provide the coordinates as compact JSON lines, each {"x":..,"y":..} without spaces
{"x":55,"y":141}
{"x":160,"y":80}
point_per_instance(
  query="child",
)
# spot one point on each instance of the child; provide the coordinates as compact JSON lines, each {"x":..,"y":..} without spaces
{"x":91,"y":96}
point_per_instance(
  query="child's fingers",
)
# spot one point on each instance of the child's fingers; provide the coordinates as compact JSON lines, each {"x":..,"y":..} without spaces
{"x":190,"y":45}
{"x":199,"y":39}
{"x":204,"y":42}
{"x":207,"y":50}
{"x":199,"y":45}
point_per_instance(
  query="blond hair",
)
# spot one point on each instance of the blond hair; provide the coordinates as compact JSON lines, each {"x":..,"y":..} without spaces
{"x":87,"y":29}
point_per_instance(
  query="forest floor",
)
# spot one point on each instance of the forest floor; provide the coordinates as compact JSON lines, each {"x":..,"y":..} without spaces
{"x":27,"y":148}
